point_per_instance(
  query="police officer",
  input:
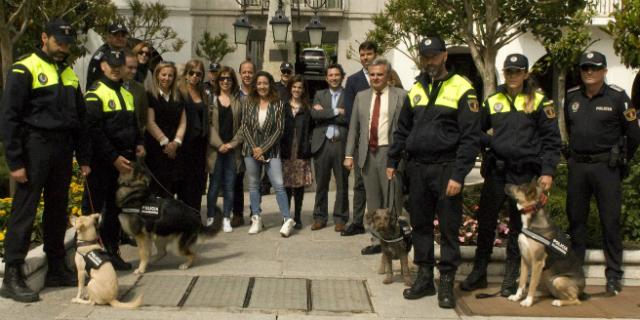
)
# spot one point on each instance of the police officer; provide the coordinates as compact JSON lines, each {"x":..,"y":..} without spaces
{"x":116,"y":141}
{"x":599,"y":118}
{"x":211,"y":86}
{"x":439,"y":130}
{"x":525,"y":144}
{"x":42,"y":126}
{"x":286,"y":74}
{"x":117,"y":35}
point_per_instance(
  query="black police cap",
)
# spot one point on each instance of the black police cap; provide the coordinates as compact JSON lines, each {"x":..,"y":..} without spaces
{"x":214,"y":67}
{"x":431,"y":45}
{"x":286,"y":66}
{"x":61,"y":31}
{"x":114,"y":58}
{"x":593,"y":58}
{"x":117,"y":27}
{"x":516,"y":61}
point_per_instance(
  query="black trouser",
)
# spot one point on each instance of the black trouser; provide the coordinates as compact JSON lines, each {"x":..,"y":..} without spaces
{"x":585,"y":180}
{"x":105,"y":176}
{"x":492,"y":198}
{"x":359,"y":195}
{"x":48,"y":160}
{"x":238,"y":195}
{"x":426,"y":199}
{"x":298,"y":196}
{"x":194,"y":179}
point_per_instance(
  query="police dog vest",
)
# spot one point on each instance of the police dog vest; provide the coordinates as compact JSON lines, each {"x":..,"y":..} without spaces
{"x":558,"y":245}
{"x":150,"y":209}
{"x":94,"y":259}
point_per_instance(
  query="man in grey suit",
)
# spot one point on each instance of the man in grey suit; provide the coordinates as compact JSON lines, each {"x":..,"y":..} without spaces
{"x":373,"y":119}
{"x":328,"y":141}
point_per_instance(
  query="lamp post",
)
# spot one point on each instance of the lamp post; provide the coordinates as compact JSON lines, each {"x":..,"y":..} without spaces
{"x":280,"y":24}
{"x":242,"y":26}
{"x":315,"y":29}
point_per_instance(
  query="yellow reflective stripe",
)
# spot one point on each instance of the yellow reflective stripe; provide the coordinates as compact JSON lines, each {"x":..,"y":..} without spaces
{"x":110,"y":101}
{"x":45,"y":74}
{"x":499,"y":103}
{"x":92,"y":99}
{"x":17,"y":70}
{"x":450,"y":93}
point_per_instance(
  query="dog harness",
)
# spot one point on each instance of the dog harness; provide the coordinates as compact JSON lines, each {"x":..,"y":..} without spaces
{"x":405,"y":235}
{"x":94,"y":259}
{"x":150,"y":209}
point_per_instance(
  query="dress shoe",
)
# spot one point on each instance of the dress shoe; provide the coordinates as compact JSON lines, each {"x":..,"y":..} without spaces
{"x":339,"y":227}
{"x":372,"y":249}
{"x":477,"y":279}
{"x":237,"y":220}
{"x":14,"y":287}
{"x":613,"y":287}
{"x":318,"y":225}
{"x":59,"y":275}
{"x":352,"y":230}
{"x":511,"y":275}
{"x":423,"y":286}
{"x":298,"y":225}
{"x":446,"y":298}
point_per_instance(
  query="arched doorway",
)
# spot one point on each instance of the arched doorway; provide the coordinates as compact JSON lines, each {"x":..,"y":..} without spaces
{"x":543,"y":75}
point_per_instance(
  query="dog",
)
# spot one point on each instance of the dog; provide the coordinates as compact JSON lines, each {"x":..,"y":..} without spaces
{"x":103,"y":284}
{"x":561,"y":275}
{"x":165,"y":221}
{"x":395,"y":245}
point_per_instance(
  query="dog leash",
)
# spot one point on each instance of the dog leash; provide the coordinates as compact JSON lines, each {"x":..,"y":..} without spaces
{"x":85,"y":182}
{"x":390,"y":205}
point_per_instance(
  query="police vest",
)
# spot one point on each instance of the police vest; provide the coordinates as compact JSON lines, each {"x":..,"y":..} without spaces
{"x":451,"y":90}
{"x":109,"y":98}
{"x":45,"y":74}
{"x":499,"y":103}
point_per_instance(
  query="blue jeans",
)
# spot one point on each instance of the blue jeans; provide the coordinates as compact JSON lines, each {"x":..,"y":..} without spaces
{"x":274,"y":171}
{"x":224,"y":173}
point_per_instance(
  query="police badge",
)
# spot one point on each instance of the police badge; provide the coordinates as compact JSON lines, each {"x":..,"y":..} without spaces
{"x":590,"y":55}
{"x":575,"y":106}
{"x":112,"y":104}
{"x":427,"y":42}
{"x":498,"y":107}
{"x":474,"y":106}
{"x":416,"y":99}
{"x":550,"y":112}
{"x":514,"y":59}
{"x":42,"y":78}
{"x":630,"y":114}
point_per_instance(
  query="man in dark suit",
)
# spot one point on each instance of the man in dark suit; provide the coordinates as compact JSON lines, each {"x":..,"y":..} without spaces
{"x":373,"y":119}
{"x":355,"y":83}
{"x":328,"y":142}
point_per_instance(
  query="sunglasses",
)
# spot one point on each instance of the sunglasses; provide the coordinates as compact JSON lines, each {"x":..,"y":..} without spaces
{"x":222,"y":79}
{"x":286,"y":71}
{"x":195,"y":73}
{"x":144,"y":53}
{"x":588,"y":68}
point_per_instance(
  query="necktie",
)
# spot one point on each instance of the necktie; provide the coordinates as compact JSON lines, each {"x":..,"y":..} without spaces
{"x":373,"y":131}
{"x":331,"y":130}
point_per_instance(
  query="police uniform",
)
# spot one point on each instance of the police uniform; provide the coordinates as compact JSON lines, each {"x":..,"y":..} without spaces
{"x":41,"y":125}
{"x":525,"y":145}
{"x":438,"y":129}
{"x":114,"y":132}
{"x":281,"y":88}
{"x":211,"y":86}
{"x":95,"y":72}
{"x":597,"y":126}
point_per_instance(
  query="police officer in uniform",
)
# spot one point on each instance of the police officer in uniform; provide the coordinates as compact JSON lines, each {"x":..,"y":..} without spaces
{"x":117,"y":35}
{"x":42,"y":125}
{"x":211,"y":86}
{"x":599,"y":118}
{"x":439,"y":130}
{"x":525,"y":144}
{"x":116,"y":141}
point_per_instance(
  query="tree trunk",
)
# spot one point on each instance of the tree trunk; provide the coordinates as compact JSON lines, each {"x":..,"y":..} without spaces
{"x":557,"y":94}
{"x":6,"y":51}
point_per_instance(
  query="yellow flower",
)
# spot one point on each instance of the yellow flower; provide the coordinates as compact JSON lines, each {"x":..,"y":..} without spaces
{"x":1,"y":236}
{"x":75,"y":210}
{"x":3,"y":213}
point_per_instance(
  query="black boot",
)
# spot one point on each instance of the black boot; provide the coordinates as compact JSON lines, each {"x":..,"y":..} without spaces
{"x":511,"y":275}
{"x":446,"y":298}
{"x":477,"y":279}
{"x":14,"y":287}
{"x":423,"y":286}
{"x":59,"y":275}
{"x":116,"y":260}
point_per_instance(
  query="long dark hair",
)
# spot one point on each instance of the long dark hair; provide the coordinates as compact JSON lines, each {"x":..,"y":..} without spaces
{"x":529,"y":88}
{"x":305,"y":93}
{"x":254,"y":97}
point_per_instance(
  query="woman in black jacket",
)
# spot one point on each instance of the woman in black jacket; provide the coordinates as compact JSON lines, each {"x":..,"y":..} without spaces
{"x":296,"y":146}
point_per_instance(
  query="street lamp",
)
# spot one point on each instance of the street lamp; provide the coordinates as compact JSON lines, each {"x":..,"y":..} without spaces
{"x":280,"y":24}
{"x":315,"y":27}
{"x":242,"y":26}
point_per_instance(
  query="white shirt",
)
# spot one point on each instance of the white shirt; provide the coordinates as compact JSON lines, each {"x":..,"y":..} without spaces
{"x":383,"y":120}
{"x":262,"y":116}
{"x":165,"y":96}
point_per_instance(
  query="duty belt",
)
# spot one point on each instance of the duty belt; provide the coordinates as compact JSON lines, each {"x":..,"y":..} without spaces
{"x":590,"y":158}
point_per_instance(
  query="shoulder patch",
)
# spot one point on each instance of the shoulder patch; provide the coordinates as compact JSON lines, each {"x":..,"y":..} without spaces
{"x":616,"y":88}
{"x":630,"y":114}
{"x":474,"y":105}
{"x":549,"y":111}
{"x":576,"y":88}
{"x":548,"y":103}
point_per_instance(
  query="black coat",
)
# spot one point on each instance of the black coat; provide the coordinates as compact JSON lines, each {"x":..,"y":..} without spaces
{"x":301,"y":125}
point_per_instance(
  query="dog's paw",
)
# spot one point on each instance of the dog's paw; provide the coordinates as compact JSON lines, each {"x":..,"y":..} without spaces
{"x":76,"y":300}
{"x":387,"y":280}
{"x":556,"y":303}
{"x":517,"y":296}
{"x":184,"y":266}
{"x":528,"y":302}
{"x":139,"y":271}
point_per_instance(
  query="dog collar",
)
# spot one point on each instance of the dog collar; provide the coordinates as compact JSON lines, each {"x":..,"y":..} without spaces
{"x":84,"y":243}
{"x":537,"y":206}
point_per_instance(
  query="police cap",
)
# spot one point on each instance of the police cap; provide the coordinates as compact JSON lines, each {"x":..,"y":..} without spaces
{"x":214,"y":67}
{"x":431,"y":45}
{"x":516,"y":61}
{"x":593,"y":58}
{"x":117,"y":27}
{"x":114,"y":58}
{"x":286,"y":66}
{"x":61,"y":31}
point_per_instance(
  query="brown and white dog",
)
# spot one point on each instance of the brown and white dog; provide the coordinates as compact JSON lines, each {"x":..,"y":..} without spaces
{"x":387,"y":229}
{"x":561,"y":275}
{"x":103,"y":284}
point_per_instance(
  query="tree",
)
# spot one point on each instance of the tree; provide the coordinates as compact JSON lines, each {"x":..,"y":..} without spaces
{"x":625,"y":30}
{"x":214,"y":49}
{"x":146,"y":23}
{"x":14,"y":20}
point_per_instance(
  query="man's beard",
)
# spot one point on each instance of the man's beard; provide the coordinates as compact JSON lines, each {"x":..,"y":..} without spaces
{"x":57,"y":55}
{"x":433,"y":70}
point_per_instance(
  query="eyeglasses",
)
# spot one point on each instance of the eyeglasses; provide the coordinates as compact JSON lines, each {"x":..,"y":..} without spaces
{"x":587,"y":68}
{"x":144,"y":53}
{"x":222,"y":79}
{"x":286,"y":71}
{"x":195,"y":73}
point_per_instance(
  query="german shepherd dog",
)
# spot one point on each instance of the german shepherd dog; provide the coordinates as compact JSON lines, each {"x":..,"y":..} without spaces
{"x":171,"y":222}
{"x":561,"y":275}
{"x":394,"y":245}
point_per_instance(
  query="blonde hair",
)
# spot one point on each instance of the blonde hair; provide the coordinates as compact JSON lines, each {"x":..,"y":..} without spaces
{"x":155,"y":88}
{"x":183,"y":86}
